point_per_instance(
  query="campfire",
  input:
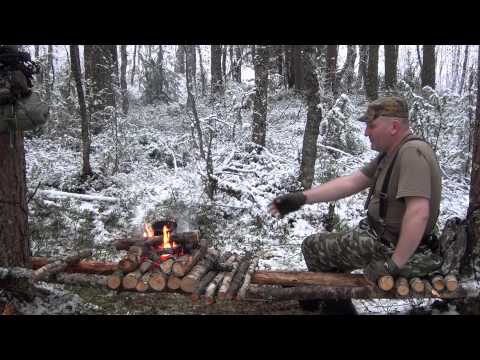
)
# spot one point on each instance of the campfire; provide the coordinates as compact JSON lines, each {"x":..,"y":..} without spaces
{"x":164,"y":259}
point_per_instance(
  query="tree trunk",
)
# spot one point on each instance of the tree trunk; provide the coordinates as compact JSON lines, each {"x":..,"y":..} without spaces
{"x":464,"y":70}
{"x":298,"y":67}
{"x":216,"y":69}
{"x":191,"y":66}
{"x":123,"y":78}
{"x":14,"y":241}
{"x":203,"y":75}
{"x":372,"y":73}
{"x":180,"y":60}
{"x":362,"y":66}
{"x":76,"y":70}
{"x":237,"y":67}
{"x":428,"y":67}
{"x":133,"y":66}
{"x":224,"y":63}
{"x":455,"y":66}
{"x":259,"y":130}
{"x":314,"y":117}
{"x":330,"y":82}
{"x":348,"y":69}
{"x":295,"y":278}
{"x":391,"y":57}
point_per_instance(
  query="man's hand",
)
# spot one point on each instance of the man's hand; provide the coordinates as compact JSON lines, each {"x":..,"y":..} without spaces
{"x":287,"y":203}
{"x":379,"y":268}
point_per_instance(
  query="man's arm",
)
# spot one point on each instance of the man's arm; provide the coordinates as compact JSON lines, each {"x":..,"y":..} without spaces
{"x":413,"y":227}
{"x":338,"y":188}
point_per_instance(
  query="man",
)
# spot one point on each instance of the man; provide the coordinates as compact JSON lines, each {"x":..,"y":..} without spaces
{"x":402,"y":207}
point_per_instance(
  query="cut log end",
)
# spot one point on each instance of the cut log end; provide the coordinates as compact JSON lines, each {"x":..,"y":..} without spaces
{"x":158,"y":281}
{"x":417,"y":285}
{"x":438,"y":282}
{"x":386,"y":283}
{"x":451,"y":282}
{"x":402,"y":288}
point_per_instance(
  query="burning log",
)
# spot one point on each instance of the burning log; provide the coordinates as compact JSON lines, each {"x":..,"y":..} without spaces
{"x":189,"y":239}
{"x":84,"y":266}
{"x":243,"y":289}
{"x":191,"y":280}
{"x":417,"y":285}
{"x":238,"y":278}
{"x":158,"y":280}
{"x":59,"y":265}
{"x":438,"y":282}
{"x":114,"y":281}
{"x":142,"y":284}
{"x":401,"y":286}
{"x":451,"y":282}
{"x":174,"y":282}
{"x":214,"y":284}
{"x":130,"y":280}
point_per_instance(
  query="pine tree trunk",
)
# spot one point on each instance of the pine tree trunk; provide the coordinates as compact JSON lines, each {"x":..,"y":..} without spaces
{"x":362,"y":66}
{"x":133,"y":66}
{"x":191,"y":66}
{"x":298,"y":67}
{"x":348,"y":69}
{"x":237,"y":68}
{"x":123,"y":78}
{"x":76,"y":70}
{"x":314,"y":117}
{"x":372,"y":73}
{"x":180,"y":60}
{"x":216,"y":69}
{"x":224,"y":63}
{"x":391,"y":57}
{"x":475,"y":172}
{"x":259,"y":130}
{"x":203,"y":76}
{"x":464,"y":70}
{"x":49,"y":74}
{"x":330,"y":83}
{"x":428,"y":66}
{"x":14,"y":242}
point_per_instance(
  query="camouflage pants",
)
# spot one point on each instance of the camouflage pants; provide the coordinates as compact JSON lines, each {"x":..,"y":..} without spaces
{"x":344,"y":252}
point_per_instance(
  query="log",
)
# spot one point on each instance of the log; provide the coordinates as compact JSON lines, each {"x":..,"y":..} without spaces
{"x":451,"y":282}
{"x":429,"y":290}
{"x":158,"y":280}
{"x":191,"y":280}
{"x":200,"y":254}
{"x":9,"y":309}
{"x":59,"y":265}
{"x":180,"y":264}
{"x":386,"y":283}
{"x":166,"y":266}
{"x":213,"y":286}
{"x":114,"y":281}
{"x":189,"y":239}
{"x":310,"y":292}
{"x":202,"y":285}
{"x":84,"y":266}
{"x":173,"y":282}
{"x":417,"y":285}
{"x":295,"y":278}
{"x":130,"y":280}
{"x":243,"y":289}
{"x":401,"y":286}
{"x":438,"y":282}
{"x":238,"y":278}
{"x":145,"y":266}
{"x":127,"y":264}
{"x":222,"y":291}
{"x":142,"y":284}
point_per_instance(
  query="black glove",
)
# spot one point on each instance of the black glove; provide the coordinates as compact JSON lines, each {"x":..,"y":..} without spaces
{"x":379,"y":268}
{"x":289,"y":202}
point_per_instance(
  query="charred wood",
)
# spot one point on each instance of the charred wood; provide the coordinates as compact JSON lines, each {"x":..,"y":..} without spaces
{"x":189,"y":240}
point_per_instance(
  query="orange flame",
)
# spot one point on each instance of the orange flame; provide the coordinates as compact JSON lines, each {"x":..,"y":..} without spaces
{"x":148,"y":230}
{"x":166,"y":238}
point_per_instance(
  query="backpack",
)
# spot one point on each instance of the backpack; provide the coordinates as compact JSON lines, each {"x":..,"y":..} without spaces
{"x":20,"y":108}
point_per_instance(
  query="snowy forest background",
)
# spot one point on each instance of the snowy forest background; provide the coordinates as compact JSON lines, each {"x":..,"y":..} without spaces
{"x":175,"y":131}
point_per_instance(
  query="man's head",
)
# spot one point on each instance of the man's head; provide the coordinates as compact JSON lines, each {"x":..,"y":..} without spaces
{"x":387,"y":122}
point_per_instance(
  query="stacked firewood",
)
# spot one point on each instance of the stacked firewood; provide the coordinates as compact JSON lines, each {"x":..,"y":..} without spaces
{"x":202,"y":272}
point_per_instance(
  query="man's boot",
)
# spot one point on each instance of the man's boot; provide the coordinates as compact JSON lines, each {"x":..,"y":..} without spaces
{"x":338,"y":307}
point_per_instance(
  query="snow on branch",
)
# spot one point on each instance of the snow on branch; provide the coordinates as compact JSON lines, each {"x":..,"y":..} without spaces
{"x":52,"y":194}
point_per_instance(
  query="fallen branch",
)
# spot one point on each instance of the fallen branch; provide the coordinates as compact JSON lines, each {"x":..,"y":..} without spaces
{"x":84,"y":266}
{"x":59,"y":265}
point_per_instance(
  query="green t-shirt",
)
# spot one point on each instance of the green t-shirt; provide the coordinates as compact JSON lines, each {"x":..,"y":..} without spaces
{"x":415,"y":173}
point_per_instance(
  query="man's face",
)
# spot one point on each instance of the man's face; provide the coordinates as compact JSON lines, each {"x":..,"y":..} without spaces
{"x":380,"y":131}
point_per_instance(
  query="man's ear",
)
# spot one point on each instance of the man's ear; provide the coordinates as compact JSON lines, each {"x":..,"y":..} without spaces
{"x":395,"y":127}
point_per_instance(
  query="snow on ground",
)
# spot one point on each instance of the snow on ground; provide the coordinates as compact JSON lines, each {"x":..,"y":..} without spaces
{"x":159,"y":174}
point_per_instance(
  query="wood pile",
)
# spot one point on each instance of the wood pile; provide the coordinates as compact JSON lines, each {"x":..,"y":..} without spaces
{"x":201,"y":272}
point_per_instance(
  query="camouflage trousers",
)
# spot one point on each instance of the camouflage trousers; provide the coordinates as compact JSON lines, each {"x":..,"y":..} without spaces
{"x":347,"y":251}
